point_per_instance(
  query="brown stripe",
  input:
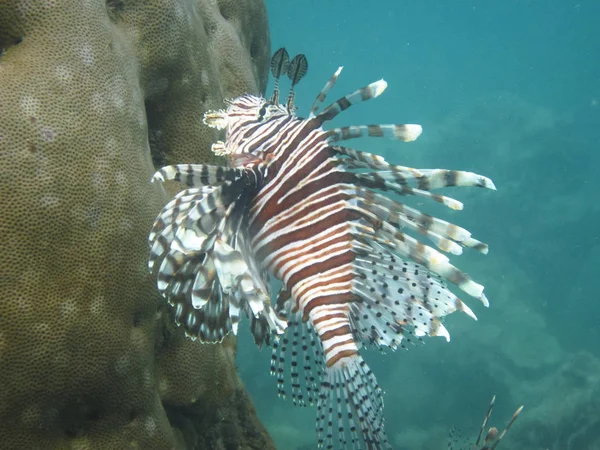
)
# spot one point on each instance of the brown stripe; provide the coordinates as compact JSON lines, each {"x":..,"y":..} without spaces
{"x":337,"y":315}
{"x":366,"y":93}
{"x":322,"y":217}
{"x":451,"y":177}
{"x":328,"y":181}
{"x":324,"y":198}
{"x":343,"y":103}
{"x":336,"y":299}
{"x":426,"y":221}
{"x":310,"y":230}
{"x":451,"y":229}
{"x":272,"y":208}
{"x":348,"y":133}
{"x":344,"y":276}
{"x":308,"y":253}
{"x":457,"y":277}
{"x":480,"y":246}
{"x":323,"y":266}
{"x":423,"y":183}
{"x":204,"y":175}
{"x":344,"y":330}
{"x":375,"y":131}
{"x":252,"y":135}
{"x":343,"y":354}
{"x":297,"y":144}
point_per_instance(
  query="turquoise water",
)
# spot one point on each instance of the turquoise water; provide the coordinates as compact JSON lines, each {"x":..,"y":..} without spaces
{"x":509,"y":89}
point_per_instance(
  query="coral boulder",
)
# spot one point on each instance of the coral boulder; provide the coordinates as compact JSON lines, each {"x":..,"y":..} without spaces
{"x":93,"y":96}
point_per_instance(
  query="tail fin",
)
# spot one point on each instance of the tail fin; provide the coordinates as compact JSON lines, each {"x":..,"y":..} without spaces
{"x":348,"y":397}
{"x":351,"y":405}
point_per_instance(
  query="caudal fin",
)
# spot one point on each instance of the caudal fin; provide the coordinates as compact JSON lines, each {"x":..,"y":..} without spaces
{"x":350,"y":406}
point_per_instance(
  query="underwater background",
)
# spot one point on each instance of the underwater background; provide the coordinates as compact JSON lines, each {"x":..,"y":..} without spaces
{"x":509,"y":89}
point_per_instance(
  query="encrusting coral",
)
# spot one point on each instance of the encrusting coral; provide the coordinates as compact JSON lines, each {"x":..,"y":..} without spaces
{"x":94,"y":95}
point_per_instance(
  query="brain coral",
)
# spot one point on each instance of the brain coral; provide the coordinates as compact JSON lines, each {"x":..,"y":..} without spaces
{"x":94,"y":94}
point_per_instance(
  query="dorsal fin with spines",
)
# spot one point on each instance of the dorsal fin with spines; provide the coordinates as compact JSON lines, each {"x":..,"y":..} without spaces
{"x":296,"y":70}
{"x":365,"y":93}
{"x":279,"y":65}
{"x":323,"y":94}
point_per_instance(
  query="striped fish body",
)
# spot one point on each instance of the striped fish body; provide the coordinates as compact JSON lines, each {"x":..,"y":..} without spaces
{"x":351,"y":258}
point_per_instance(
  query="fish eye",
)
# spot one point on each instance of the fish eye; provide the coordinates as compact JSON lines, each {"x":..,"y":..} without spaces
{"x":262,"y":112}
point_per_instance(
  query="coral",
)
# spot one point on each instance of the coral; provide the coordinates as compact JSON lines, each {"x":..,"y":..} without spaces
{"x":93,"y":96}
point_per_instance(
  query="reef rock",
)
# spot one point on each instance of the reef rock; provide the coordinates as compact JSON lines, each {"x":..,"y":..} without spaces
{"x":565,"y":408}
{"x":94,"y":95}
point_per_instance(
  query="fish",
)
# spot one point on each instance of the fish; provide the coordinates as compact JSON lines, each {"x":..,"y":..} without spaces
{"x":358,"y":267}
{"x":492,"y":436}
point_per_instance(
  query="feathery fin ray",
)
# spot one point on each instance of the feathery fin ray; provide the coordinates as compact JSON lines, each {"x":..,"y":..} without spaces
{"x":296,"y":71}
{"x":279,"y":65}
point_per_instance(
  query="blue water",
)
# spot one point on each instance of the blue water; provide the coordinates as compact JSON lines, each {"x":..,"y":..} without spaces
{"x":509,"y":89}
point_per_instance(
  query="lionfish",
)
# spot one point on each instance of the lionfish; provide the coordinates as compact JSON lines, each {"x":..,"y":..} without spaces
{"x":492,"y":437}
{"x":298,"y":206}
